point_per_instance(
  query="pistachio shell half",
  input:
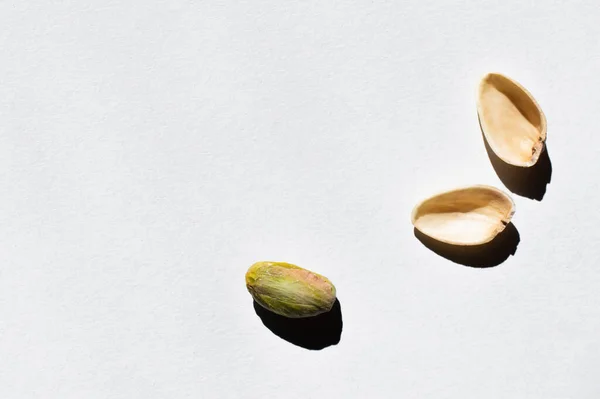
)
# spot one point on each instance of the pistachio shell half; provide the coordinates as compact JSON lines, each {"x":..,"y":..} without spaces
{"x":511,"y":120}
{"x":464,"y":216}
{"x":289,"y":290}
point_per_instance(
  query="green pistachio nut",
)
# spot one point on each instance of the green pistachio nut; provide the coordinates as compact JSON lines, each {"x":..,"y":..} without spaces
{"x":289,"y":290}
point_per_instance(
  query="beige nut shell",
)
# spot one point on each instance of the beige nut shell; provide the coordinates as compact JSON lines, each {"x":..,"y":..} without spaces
{"x":511,"y":120}
{"x":464,"y":216}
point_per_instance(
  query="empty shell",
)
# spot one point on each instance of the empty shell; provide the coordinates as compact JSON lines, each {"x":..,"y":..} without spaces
{"x":465,"y":216}
{"x":511,"y":120}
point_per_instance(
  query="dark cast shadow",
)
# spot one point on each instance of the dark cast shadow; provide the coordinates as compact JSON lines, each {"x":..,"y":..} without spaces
{"x":314,"y":333}
{"x":528,"y":182}
{"x":490,"y":254}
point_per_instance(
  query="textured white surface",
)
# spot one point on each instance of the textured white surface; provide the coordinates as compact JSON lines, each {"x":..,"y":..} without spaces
{"x":150,"y":151}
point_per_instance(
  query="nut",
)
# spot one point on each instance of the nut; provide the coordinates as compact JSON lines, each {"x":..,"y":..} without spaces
{"x":289,"y":290}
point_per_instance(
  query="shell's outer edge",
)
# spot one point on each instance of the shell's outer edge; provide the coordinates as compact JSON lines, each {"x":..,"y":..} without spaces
{"x":539,"y":148}
{"x":463,"y":188}
{"x":252,"y":270}
{"x":502,"y":225}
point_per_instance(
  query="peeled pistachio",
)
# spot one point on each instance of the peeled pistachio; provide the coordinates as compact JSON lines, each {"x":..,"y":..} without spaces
{"x":511,"y":120}
{"x":464,"y":216}
{"x":289,"y":290}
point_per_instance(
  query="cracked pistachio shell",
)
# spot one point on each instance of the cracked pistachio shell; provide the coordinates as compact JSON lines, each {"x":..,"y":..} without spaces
{"x":289,"y":290}
{"x":511,"y":120}
{"x":464,"y":216}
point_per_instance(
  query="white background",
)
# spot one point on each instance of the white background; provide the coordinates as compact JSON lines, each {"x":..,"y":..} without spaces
{"x":151,"y":151}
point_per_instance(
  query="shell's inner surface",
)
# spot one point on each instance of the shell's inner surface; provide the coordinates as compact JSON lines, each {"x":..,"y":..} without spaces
{"x":467,"y":216}
{"x":512,"y":121}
